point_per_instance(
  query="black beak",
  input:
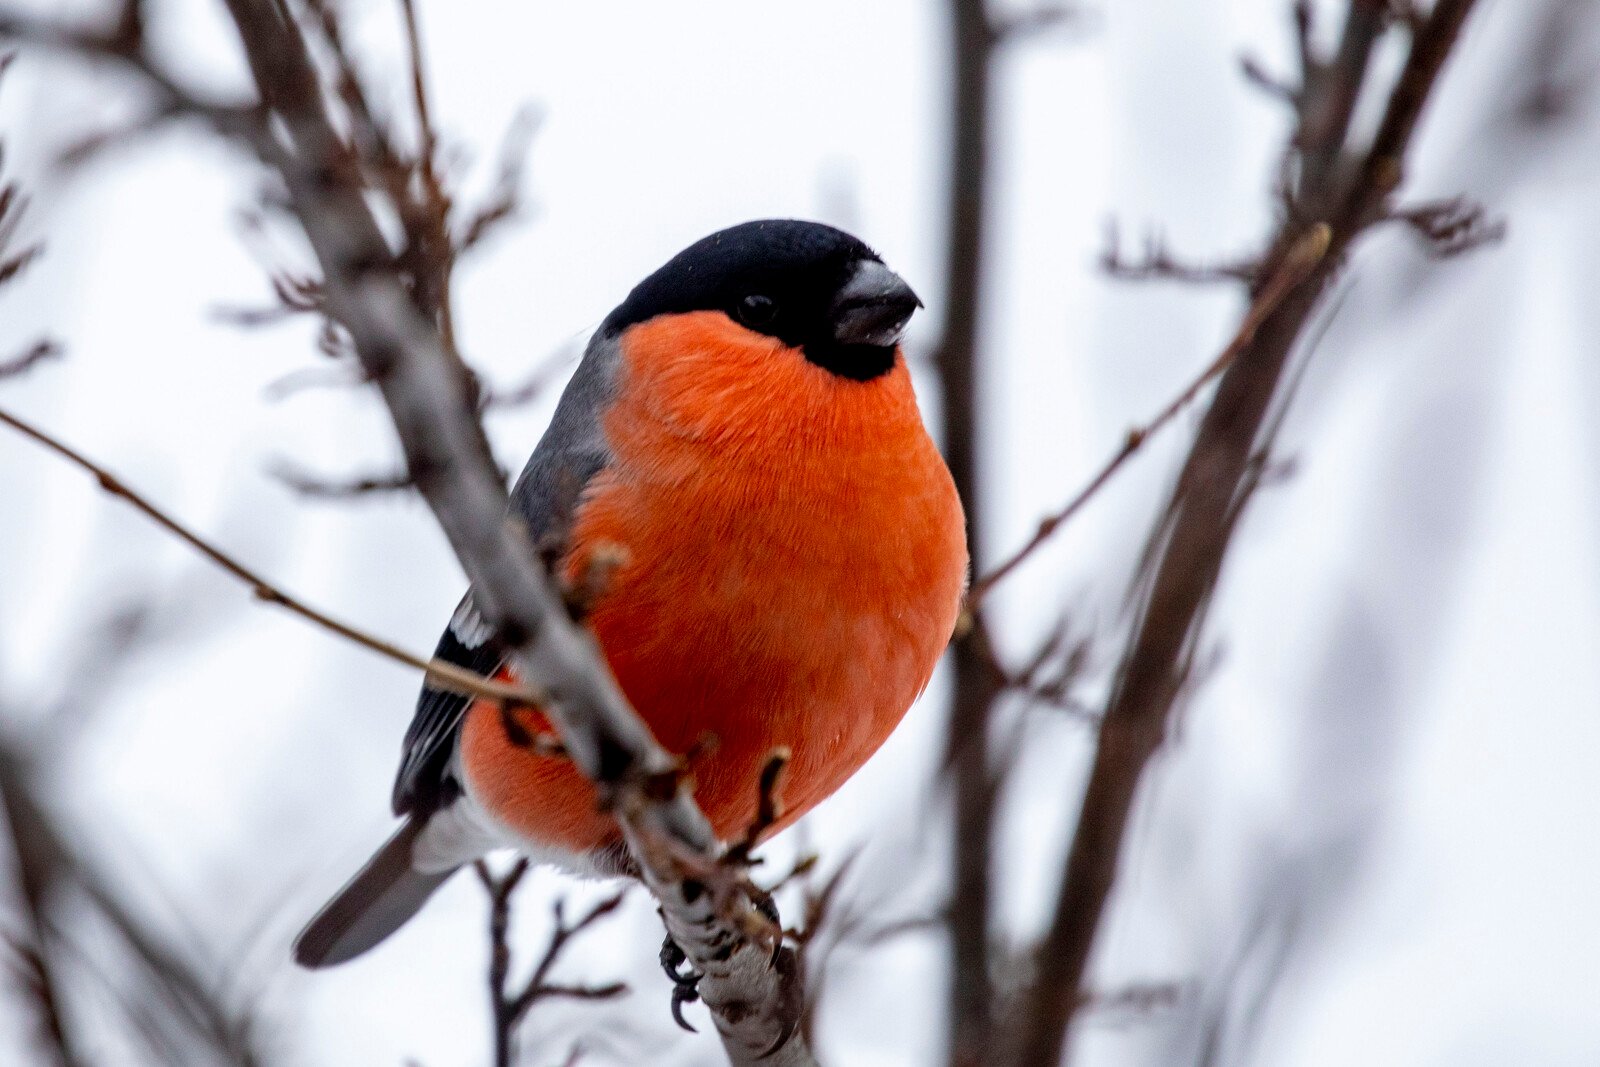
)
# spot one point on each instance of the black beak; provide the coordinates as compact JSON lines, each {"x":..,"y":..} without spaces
{"x":873,"y":307}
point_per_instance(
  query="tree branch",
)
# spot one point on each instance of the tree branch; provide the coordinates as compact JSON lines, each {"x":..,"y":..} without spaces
{"x":25,"y":361}
{"x":970,"y":993}
{"x":1216,"y":481}
{"x":316,"y":487}
{"x":1452,"y":227}
{"x":169,"y":998}
{"x":1296,"y":266}
{"x":1158,"y":263}
{"x":13,"y":204}
{"x":508,"y":1007}
{"x":32,"y":950}
{"x":447,"y":676}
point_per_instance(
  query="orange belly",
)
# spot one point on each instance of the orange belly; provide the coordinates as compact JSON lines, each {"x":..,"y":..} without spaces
{"x":790,"y":579}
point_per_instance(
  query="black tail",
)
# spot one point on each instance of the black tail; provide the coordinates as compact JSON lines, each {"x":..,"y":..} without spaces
{"x":374,"y":904}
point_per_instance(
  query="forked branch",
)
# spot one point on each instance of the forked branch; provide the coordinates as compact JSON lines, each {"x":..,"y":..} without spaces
{"x":508,"y":1005}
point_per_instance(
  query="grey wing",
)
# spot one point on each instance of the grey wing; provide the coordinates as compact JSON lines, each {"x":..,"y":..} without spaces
{"x":546,"y":495}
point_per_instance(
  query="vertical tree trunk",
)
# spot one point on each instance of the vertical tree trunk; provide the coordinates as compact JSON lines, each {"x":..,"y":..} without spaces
{"x":970,"y":995}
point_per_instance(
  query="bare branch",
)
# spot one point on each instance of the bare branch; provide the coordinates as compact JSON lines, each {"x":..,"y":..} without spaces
{"x":13,"y":204}
{"x":439,"y":673}
{"x":1407,"y":13}
{"x":13,"y":265}
{"x":31,"y":956}
{"x":1303,"y":19}
{"x":1158,"y":263}
{"x":509,"y":1007}
{"x":1449,"y":228}
{"x":168,"y":998}
{"x":1298,"y":264}
{"x":1049,"y":677}
{"x":296,"y":295}
{"x":801,"y":868}
{"x":1186,"y":556}
{"x":1258,"y":76}
{"x":1558,"y":77}
{"x":1042,"y":17}
{"x":505,"y":198}
{"x":302,"y":379}
{"x":36,"y":353}
{"x":1133,"y":999}
{"x":540,"y":987}
{"x":969,"y":993}
{"x":316,"y":487}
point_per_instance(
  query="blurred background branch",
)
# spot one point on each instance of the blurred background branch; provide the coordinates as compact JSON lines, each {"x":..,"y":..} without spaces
{"x":1185,"y":556}
{"x":972,"y":44}
{"x":508,"y":1006}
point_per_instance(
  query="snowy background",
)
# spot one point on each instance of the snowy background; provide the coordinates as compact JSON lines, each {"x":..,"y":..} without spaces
{"x":1371,"y":838}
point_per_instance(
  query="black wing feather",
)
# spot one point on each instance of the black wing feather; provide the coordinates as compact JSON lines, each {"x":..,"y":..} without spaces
{"x":572,"y":451}
{"x":424,"y":783}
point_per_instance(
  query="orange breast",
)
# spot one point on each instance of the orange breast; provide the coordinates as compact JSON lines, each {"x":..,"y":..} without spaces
{"x":794,"y":559}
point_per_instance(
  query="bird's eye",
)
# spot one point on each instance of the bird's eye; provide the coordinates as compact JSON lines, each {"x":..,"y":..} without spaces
{"x":757,"y":311}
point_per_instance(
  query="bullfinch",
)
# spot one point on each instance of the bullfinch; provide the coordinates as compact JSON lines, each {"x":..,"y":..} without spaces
{"x":740,"y":456}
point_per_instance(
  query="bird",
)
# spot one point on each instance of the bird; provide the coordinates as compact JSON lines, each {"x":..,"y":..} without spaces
{"x":774,"y":551}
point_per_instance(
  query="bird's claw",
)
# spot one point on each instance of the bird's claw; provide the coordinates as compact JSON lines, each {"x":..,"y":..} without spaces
{"x":766,"y":906}
{"x":685,"y":992}
{"x":685,"y":981}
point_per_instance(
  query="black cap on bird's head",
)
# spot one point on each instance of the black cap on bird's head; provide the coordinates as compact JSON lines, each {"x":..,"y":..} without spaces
{"x":811,"y":286}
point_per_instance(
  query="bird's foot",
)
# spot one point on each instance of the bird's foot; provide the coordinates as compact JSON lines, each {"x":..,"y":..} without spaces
{"x":685,"y":980}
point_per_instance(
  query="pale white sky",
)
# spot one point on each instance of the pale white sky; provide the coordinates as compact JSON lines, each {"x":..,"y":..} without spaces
{"x":1395,"y":753}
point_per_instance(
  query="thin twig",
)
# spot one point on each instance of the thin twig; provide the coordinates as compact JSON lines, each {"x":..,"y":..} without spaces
{"x":1157,"y":263}
{"x":1295,"y":267}
{"x":540,"y":987}
{"x":1452,"y":227}
{"x":801,"y":868}
{"x":499,"y":890}
{"x":32,"y":950}
{"x":510,"y":1007}
{"x":505,"y":197}
{"x":429,"y":254}
{"x":1043,"y":16}
{"x":1065,"y":659}
{"x":13,"y":205}
{"x":537,"y":382}
{"x":439,"y":673}
{"x":1274,"y":86}
{"x":36,"y":353}
{"x":315,"y":487}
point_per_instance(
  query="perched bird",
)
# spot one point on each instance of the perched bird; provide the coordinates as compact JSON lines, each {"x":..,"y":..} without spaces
{"x":778,"y":552}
